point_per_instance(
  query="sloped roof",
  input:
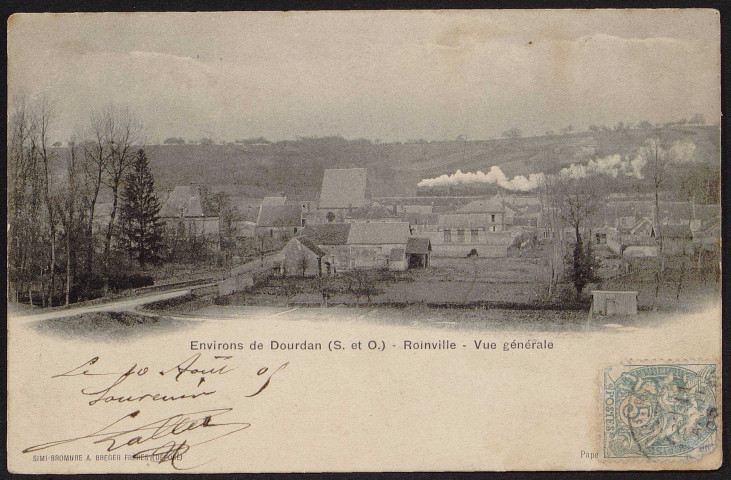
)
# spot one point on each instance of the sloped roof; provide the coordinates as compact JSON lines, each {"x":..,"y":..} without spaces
{"x":307,"y":242}
{"x":397,"y":254}
{"x":638,"y":241}
{"x":464,"y":220}
{"x":247,"y":208}
{"x":525,"y":221}
{"x":372,"y":211}
{"x":184,"y":200}
{"x":344,"y":187}
{"x":418,"y":245}
{"x":640,"y":222}
{"x":279,"y":216}
{"x":421,"y":218}
{"x":274,"y":201}
{"x":328,"y":233}
{"x":378,"y":233}
{"x":493,"y":205}
{"x":674,"y":231}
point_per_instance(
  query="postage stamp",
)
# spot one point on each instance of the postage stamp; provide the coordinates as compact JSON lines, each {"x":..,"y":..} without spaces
{"x":660,"y":411}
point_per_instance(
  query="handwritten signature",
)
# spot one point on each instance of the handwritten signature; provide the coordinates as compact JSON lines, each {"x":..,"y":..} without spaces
{"x":166,"y":440}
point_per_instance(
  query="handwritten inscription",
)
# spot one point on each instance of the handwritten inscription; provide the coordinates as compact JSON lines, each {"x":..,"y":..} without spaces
{"x":190,"y":367}
{"x":167,"y":440}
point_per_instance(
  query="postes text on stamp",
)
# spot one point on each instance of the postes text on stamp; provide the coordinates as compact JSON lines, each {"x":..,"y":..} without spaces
{"x":660,"y":411}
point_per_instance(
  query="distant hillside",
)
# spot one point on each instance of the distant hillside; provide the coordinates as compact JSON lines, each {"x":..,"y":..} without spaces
{"x":295,"y":168}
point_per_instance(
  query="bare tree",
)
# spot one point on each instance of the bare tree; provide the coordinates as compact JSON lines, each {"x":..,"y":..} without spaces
{"x":551,"y":194}
{"x":657,"y":157}
{"x":43,"y":116}
{"x":96,"y":157}
{"x":24,"y":196}
{"x":115,"y":133}
{"x":581,"y":202}
{"x":303,"y":263}
{"x":71,"y":207}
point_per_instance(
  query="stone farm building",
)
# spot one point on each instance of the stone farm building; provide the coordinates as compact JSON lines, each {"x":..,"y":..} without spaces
{"x":370,"y":244}
{"x":185,"y":215}
{"x":276,"y":221}
{"x":478,"y":225}
{"x":332,"y":238}
{"x":343,"y":190}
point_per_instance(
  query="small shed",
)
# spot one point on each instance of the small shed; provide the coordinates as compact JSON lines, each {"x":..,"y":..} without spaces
{"x":418,"y":252}
{"x":614,"y":303}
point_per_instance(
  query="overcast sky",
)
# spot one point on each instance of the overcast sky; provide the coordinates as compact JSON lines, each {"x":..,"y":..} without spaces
{"x":376,"y":75}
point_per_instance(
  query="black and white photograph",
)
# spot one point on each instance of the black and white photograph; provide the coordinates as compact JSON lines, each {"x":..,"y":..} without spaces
{"x":380,"y":240}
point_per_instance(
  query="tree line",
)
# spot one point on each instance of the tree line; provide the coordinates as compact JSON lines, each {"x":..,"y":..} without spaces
{"x":54,"y":246}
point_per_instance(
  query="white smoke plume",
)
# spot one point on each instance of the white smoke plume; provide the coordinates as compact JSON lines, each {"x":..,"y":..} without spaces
{"x":495,"y":175}
{"x":682,"y":151}
{"x":613,"y":166}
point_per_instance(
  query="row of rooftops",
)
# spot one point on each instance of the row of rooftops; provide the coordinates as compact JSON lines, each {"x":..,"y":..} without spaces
{"x":392,"y":233}
{"x":348,"y":189}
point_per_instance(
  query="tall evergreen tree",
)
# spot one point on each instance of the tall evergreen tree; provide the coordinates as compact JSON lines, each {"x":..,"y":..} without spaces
{"x":141,"y":227}
{"x":583,"y":266}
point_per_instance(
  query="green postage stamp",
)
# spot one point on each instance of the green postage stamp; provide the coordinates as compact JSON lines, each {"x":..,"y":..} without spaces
{"x":660,"y":411}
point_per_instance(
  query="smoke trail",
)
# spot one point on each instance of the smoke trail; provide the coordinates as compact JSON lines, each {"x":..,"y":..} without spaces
{"x":612,"y":165}
{"x":495,"y":176}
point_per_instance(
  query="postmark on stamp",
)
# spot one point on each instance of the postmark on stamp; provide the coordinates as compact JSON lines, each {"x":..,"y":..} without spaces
{"x":660,"y":411}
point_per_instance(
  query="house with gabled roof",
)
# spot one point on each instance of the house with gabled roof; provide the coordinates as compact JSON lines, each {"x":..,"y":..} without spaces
{"x":674,"y":239}
{"x":343,"y":190}
{"x":186,"y":216}
{"x":479,"y":225}
{"x":278,"y":220}
{"x":370,"y":244}
{"x":332,"y":238}
{"x":302,"y":257}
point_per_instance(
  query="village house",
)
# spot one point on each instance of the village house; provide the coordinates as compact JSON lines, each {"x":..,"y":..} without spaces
{"x":343,"y":190}
{"x":421,"y":222}
{"x":302,"y":257}
{"x":186,"y":216}
{"x":478,"y":226}
{"x":370,"y":244}
{"x":674,"y":239}
{"x":371,"y":213}
{"x":309,"y":209}
{"x":332,"y":238}
{"x":277,"y":221}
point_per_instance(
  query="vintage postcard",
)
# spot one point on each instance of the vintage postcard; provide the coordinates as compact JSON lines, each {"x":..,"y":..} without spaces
{"x":364,"y":241}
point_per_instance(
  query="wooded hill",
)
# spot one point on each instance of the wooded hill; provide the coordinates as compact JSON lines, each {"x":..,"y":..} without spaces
{"x":295,"y":168}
